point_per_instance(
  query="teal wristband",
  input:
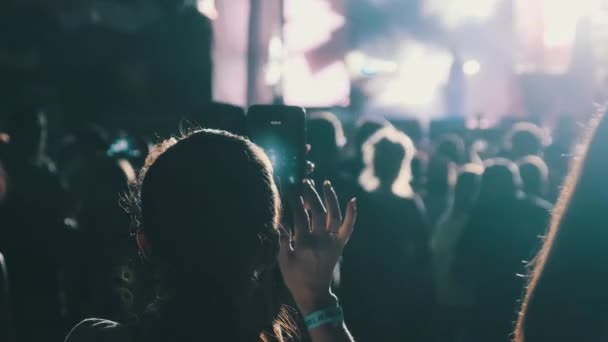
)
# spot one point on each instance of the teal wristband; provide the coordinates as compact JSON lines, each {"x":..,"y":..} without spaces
{"x":331,"y":315}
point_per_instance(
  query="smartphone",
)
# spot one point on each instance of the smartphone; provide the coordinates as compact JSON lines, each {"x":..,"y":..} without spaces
{"x":281,"y":132}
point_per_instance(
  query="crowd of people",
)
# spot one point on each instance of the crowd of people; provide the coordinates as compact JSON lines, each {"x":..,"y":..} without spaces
{"x":161,"y":239}
{"x":111,"y":234}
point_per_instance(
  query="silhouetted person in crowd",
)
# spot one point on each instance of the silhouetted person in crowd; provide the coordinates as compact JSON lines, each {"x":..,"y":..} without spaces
{"x":524,"y":139}
{"x":439,"y":191}
{"x":81,"y":144}
{"x":31,"y":233}
{"x":535,"y":176}
{"x":566,"y":299}
{"x":99,"y":275}
{"x":326,"y":136}
{"x":452,"y":148}
{"x":453,"y":298}
{"x":209,"y":223}
{"x":504,"y":229}
{"x":365,"y":128}
{"x":85,"y":141}
{"x":389,"y":252}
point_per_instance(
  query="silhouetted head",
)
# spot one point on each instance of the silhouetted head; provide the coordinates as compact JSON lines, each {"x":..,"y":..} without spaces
{"x":326,"y":136}
{"x":209,"y":212}
{"x":98,"y":182}
{"x":27,"y":130}
{"x":566,"y":299}
{"x":500,"y":181}
{"x":84,"y":142}
{"x":534,"y":175}
{"x":366,"y":127}
{"x":388,"y":155}
{"x":467,"y":186}
{"x":452,"y":148}
{"x":524,"y":139}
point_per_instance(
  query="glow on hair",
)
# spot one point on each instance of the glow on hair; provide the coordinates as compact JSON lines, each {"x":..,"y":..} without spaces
{"x":401,"y":186}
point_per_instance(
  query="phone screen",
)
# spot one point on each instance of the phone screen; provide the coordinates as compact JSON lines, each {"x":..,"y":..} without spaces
{"x":281,"y":132}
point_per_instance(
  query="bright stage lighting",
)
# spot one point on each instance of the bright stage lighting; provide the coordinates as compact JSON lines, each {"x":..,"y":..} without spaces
{"x":456,"y":12}
{"x":276,"y":58}
{"x":361,"y":65}
{"x":423,"y":71}
{"x":471,"y":67}
{"x":560,"y":19}
{"x":314,"y":72}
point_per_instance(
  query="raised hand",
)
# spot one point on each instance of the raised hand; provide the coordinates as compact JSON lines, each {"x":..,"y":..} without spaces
{"x":307,"y":261}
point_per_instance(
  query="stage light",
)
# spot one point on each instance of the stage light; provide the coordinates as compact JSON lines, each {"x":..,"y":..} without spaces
{"x":423,"y":70}
{"x":355,"y":61}
{"x":276,"y":57}
{"x":471,"y":67}
{"x":314,"y":71}
{"x":561,"y":17}
{"x":456,"y":12}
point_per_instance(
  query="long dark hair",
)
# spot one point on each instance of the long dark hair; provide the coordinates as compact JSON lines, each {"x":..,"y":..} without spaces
{"x":209,"y":208}
{"x":567,"y":296}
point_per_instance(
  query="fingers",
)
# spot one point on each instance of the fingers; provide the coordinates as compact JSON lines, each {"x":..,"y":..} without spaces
{"x":312,"y":200}
{"x":334,"y":214}
{"x":348,"y":225}
{"x":301,"y":221}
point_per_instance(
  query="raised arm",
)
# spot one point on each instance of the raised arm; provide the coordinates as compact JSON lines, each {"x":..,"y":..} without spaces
{"x":307,"y":260}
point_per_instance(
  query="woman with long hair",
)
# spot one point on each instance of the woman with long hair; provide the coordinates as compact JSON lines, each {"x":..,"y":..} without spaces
{"x":209,"y":215}
{"x":567,"y":296}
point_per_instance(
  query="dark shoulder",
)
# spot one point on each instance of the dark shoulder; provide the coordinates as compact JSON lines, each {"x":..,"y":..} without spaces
{"x":98,"y":330}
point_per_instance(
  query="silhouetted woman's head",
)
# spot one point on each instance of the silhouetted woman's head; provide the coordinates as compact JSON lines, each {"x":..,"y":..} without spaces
{"x":500,"y":181}
{"x":524,"y":139}
{"x":387,"y":155}
{"x":366,"y":128}
{"x":567,"y":298}
{"x":452,"y":147}
{"x":209,"y":212}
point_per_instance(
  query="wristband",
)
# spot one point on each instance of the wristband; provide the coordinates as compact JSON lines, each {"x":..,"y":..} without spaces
{"x":330,"y":315}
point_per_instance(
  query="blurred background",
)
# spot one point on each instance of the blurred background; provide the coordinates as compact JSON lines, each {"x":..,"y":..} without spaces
{"x":477,"y":61}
